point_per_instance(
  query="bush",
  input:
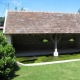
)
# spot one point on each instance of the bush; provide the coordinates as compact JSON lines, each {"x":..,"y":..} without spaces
{"x":7,"y":58}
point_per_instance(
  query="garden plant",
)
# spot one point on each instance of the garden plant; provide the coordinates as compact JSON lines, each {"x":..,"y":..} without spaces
{"x":7,"y":58}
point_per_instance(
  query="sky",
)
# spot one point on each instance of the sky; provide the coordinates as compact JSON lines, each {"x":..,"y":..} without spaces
{"x":67,"y":6}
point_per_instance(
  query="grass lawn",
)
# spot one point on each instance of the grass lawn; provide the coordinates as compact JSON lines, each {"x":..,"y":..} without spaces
{"x":1,"y":30}
{"x":62,"y":71}
{"x":38,"y":59}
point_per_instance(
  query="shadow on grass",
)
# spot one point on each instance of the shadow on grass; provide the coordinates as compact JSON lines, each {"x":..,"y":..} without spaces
{"x":12,"y":74}
{"x":48,"y":58}
{"x":28,"y":61}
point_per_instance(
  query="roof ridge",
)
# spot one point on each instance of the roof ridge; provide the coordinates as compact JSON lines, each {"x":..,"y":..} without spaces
{"x":44,"y":12}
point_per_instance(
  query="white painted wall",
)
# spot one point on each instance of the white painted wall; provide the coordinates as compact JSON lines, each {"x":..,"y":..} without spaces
{"x":8,"y":37}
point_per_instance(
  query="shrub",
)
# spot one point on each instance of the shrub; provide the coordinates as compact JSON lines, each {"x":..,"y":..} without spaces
{"x":7,"y":58}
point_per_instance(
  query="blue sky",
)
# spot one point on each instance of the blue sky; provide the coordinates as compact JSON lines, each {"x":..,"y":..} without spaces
{"x":70,"y":6}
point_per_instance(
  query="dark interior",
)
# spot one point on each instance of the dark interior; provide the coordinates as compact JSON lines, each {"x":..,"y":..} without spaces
{"x":36,"y":42}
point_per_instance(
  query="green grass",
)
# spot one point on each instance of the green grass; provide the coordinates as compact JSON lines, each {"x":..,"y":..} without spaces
{"x":62,"y":71}
{"x":26,"y":60}
{"x":1,"y":30}
{"x":46,"y":58}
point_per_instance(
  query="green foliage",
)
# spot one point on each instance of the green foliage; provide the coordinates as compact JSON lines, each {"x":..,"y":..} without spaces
{"x":7,"y":58}
{"x":71,"y":40}
{"x":79,"y":10}
{"x":49,"y":58}
{"x":22,"y":9}
{"x":2,"y":21}
{"x":15,"y":8}
{"x":45,"y":40}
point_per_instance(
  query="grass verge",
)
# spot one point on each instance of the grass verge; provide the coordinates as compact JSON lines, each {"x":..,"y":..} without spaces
{"x":38,"y":59}
{"x":62,"y":71}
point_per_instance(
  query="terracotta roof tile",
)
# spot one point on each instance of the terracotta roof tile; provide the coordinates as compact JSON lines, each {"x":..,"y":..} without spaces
{"x":41,"y":22}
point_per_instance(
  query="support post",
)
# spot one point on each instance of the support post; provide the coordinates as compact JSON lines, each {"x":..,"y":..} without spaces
{"x":55,"y":50}
{"x":8,"y":37}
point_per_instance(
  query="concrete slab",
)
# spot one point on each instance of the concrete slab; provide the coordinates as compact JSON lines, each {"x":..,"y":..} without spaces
{"x":45,"y":52}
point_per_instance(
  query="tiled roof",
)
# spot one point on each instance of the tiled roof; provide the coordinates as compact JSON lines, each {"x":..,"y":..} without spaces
{"x":18,"y":22}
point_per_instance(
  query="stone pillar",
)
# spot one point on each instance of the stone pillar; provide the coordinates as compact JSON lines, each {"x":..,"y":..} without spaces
{"x":8,"y":37}
{"x":55,"y":47}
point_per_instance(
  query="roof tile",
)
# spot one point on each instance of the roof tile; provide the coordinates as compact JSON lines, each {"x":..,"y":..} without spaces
{"x":41,"y":22}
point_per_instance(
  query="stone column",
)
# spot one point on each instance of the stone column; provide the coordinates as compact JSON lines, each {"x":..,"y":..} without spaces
{"x":8,"y":37}
{"x":55,"y":47}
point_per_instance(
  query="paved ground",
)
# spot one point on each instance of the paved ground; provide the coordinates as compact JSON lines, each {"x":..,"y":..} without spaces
{"x":46,"y":63}
{"x":45,"y":52}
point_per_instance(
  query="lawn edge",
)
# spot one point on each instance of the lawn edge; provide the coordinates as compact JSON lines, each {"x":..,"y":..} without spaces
{"x":46,"y":63}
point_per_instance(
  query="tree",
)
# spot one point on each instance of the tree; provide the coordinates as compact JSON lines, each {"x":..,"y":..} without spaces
{"x":15,"y":8}
{"x":22,"y":9}
{"x":7,"y":58}
{"x":2,"y":21}
{"x":79,"y":10}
